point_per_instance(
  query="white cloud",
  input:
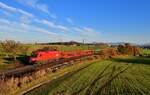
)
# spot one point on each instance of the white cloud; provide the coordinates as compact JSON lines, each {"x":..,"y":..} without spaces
{"x":85,"y":30}
{"x":25,"y":17}
{"x":69,"y":20}
{"x":8,"y":8}
{"x":15,"y":10}
{"x":4,"y":21}
{"x":25,"y":20}
{"x":42,"y":30}
{"x":39,"y":6}
{"x":9,"y":26}
{"x":56,"y":26}
{"x":28,"y":24}
{"x":87,"y":33}
{"x":62,"y":27}
{"x":88,"y":29}
{"x":42,"y":7}
{"x":78,"y":29}
{"x":50,"y":24}
{"x":25,"y":13}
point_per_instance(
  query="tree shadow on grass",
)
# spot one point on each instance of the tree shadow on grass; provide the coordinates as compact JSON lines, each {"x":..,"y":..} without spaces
{"x":20,"y":59}
{"x":8,"y":60}
{"x":145,"y":56}
{"x":135,"y":60}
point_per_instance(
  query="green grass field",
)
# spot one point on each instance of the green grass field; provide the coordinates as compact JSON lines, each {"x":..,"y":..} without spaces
{"x":127,"y":76}
{"x":145,"y":51}
{"x":64,"y":47}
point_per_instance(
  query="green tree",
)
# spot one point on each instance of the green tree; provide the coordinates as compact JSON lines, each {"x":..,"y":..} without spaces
{"x":10,"y":47}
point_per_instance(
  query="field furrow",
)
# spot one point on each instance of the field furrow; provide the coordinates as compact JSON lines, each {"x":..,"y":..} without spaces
{"x":103,"y":78}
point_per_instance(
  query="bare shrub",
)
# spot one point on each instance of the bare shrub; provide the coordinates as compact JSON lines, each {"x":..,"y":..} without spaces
{"x":25,"y":79}
{"x":108,"y":53}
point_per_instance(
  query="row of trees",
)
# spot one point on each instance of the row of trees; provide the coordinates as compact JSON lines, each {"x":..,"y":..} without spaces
{"x":125,"y":49}
{"x":11,"y":48}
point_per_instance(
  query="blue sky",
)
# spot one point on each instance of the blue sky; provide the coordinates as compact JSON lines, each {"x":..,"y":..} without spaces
{"x":65,"y":20}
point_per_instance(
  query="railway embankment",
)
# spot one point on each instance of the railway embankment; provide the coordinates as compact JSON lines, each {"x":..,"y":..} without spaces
{"x":15,"y":85}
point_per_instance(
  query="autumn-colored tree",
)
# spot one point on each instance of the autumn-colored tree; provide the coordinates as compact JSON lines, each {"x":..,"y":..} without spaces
{"x":136,"y":51}
{"x":121,"y":49}
{"x":108,"y":53}
{"x":128,"y":49}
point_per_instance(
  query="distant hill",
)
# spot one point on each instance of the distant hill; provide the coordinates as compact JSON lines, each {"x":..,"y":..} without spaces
{"x":62,"y":43}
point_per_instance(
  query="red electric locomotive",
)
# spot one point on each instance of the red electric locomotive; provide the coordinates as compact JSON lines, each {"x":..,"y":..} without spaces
{"x":53,"y":55}
{"x":45,"y":55}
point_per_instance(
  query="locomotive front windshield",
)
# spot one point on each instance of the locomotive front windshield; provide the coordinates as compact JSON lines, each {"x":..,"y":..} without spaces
{"x":33,"y":55}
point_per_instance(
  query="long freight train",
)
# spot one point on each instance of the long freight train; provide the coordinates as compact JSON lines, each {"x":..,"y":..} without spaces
{"x":49,"y":59}
{"x":48,"y":56}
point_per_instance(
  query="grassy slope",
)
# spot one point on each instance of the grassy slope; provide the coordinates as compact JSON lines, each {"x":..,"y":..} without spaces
{"x":51,"y":76}
{"x":105,"y":78}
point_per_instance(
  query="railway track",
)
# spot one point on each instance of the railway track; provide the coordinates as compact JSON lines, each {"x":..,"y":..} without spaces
{"x":29,"y":69}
